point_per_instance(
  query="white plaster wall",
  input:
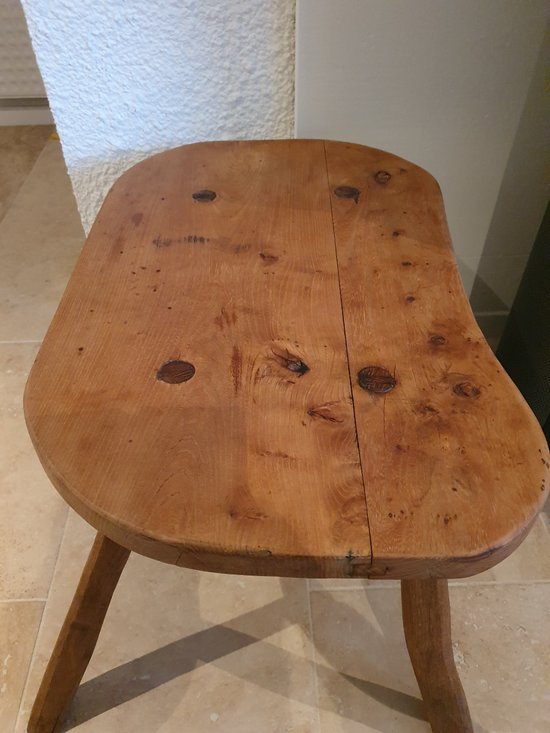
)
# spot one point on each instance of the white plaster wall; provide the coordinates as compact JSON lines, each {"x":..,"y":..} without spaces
{"x":443,"y":83}
{"x":126,"y":78}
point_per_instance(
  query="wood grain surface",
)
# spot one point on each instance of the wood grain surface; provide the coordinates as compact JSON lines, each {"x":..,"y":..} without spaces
{"x":454,"y":462}
{"x":264,"y":363}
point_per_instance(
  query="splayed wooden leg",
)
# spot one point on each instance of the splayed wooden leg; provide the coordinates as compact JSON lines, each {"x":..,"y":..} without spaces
{"x":78,"y":635}
{"x":427,"y":624}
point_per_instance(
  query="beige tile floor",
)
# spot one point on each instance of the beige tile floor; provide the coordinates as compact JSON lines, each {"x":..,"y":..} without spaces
{"x":197,"y":652}
{"x":20,"y":146}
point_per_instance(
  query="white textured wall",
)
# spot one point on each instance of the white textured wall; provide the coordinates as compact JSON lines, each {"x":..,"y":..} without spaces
{"x":126,"y":78}
{"x":443,"y":83}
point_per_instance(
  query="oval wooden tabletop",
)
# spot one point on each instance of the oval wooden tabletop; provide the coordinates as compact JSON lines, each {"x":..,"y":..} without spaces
{"x":264,"y":362}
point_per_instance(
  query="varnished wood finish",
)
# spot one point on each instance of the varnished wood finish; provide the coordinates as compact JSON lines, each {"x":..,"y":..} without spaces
{"x":251,"y":465}
{"x":427,"y":624}
{"x":195,"y":399}
{"x":78,"y":636}
{"x":455,"y":464}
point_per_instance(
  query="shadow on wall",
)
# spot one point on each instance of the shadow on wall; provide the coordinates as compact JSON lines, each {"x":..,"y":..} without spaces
{"x":491,"y":321}
{"x":518,"y":212}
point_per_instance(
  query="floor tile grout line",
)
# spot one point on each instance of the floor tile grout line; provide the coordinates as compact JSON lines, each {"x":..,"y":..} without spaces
{"x":337,"y":588}
{"x":452,"y":584}
{"x":314,"y":663}
{"x":478,"y":583}
{"x":24,"y":341}
{"x":29,"y":667}
{"x":22,"y":600}
{"x":41,"y":624}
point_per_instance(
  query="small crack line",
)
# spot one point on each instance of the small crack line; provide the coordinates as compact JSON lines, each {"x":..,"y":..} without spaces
{"x":347,"y":355}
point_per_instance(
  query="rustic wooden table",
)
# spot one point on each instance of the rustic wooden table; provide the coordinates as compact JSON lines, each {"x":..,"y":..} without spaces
{"x":265,"y":363}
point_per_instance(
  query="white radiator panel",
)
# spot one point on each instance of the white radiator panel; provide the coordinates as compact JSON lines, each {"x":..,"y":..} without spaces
{"x":19,"y":75}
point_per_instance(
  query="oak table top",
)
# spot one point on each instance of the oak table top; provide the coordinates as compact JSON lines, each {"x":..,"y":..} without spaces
{"x":265,"y":363}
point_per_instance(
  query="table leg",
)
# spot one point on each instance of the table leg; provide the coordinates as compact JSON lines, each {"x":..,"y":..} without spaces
{"x":427,"y":624}
{"x":78,"y":635}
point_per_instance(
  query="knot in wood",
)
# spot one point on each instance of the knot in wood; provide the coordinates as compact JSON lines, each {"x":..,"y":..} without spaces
{"x":437,"y":339}
{"x":204,"y":195}
{"x":466,"y":389}
{"x":291,"y":362}
{"x":297,"y":366}
{"x":347,"y":192}
{"x":376,"y":379}
{"x":382,"y":177}
{"x":175,"y":372}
